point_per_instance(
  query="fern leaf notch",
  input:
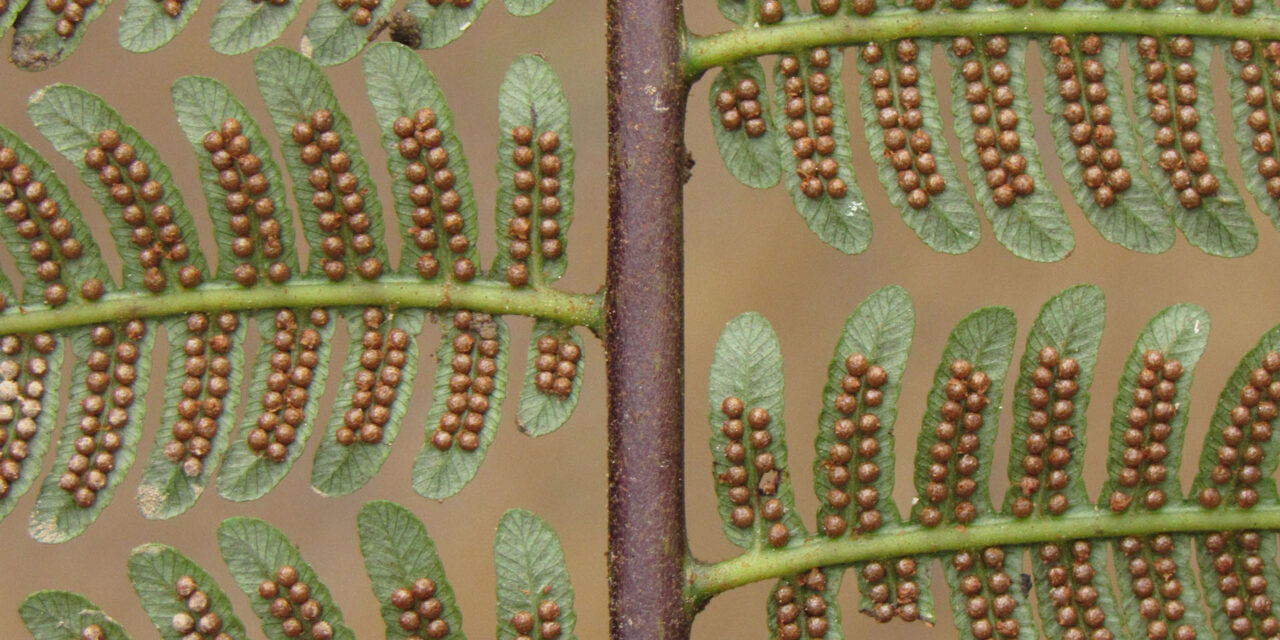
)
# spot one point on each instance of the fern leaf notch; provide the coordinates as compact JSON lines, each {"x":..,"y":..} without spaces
{"x":431,"y":182}
{"x":101,"y":430}
{"x":900,"y":112}
{"x":379,"y":373}
{"x":1180,"y":138}
{"x":748,"y":438}
{"x":816,"y":158}
{"x":992,"y":108}
{"x":153,"y":229}
{"x":206,"y":364}
{"x":407,"y":575}
{"x":470,"y":384}
{"x":535,"y":175}
{"x":1094,"y":136}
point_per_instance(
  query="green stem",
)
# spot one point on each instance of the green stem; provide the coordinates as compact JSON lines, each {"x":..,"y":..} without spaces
{"x":706,"y":580}
{"x":491,"y":297}
{"x":717,"y":50}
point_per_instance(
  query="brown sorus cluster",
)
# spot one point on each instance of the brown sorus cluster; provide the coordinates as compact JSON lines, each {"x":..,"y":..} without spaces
{"x":363,"y":14}
{"x":475,"y":353}
{"x":1070,"y":572}
{"x":544,"y":178}
{"x":339,"y":197}
{"x":1154,"y":579}
{"x":105,"y":410}
{"x":155,"y":232}
{"x":991,"y":110}
{"x":907,"y":144}
{"x":461,"y":4}
{"x":862,"y":379}
{"x":771,"y":11}
{"x":755,"y":432}
{"x":884,"y":585}
{"x":988,"y":592}
{"x":813,"y":150}
{"x":39,"y":220}
{"x":1091,"y":131}
{"x":557,"y":365}
{"x":1244,"y":439}
{"x":953,"y":462}
{"x":1239,"y":573}
{"x":422,"y":144}
{"x":1257,"y":96}
{"x":240,"y":176}
{"x":70,"y":13}
{"x":740,"y":108}
{"x":198,"y":622}
{"x":172,"y":8}
{"x":1153,"y":408}
{"x":422,"y":613}
{"x":801,"y":606}
{"x":292,"y":604}
{"x":93,"y":632}
{"x":207,"y":368}
{"x":1176,"y":118}
{"x":381,"y":369}
{"x":284,"y":403}
{"x":21,"y":396}
{"x":548,"y":624}
{"x":1049,"y":435}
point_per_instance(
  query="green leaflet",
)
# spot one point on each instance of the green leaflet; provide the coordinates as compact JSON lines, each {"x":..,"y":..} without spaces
{"x":339,"y":469}
{"x":10,"y":14}
{"x":1220,"y":226}
{"x":1071,"y":324}
{"x":975,"y":562}
{"x":332,"y":37}
{"x":844,"y":223}
{"x":397,"y":553}
{"x":984,"y":338}
{"x":1234,"y":415}
{"x":786,"y":605}
{"x":883,"y":585}
{"x":949,"y":223}
{"x":37,"y":445}
{"x":1250,"y":551}
{"x":735,"y":11}
{"x":73,"y":272}
{"x":1180,"y":333}
{"x":56,"y":517}
{"x":438,"y":474}
{"x":1240,"y":111}
{"x":1138,"y":219}
{"x":166,"y":489}
{"x":1130,"y":610}
{"x":154,"y":570}
{"x":748,"y":366}
{"x":36,"y":43}
{"x":1034,"y":227}
{"x":445,"y":23}
{"x":1068,"y":557}
{"x":541,"y":412}
{"x":71,"y":119}
{"x":254,"y":551}
{"x":245,"y":25}
{"x":399,"y":85}
{"x":531,"y":96}
{"x":880,"y":330}
{"x":753,"y":161}
{"x":203,"y":104}
{"x":294,"y":88}
{"x":62,"y":615}
{"x":146,"y":27}
{"x":530,"y":566}
{"x":247,"y":475}
{"x":526,"y":8}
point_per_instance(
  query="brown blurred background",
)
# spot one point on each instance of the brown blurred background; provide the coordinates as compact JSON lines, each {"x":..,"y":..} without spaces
{"x":746,"y":250}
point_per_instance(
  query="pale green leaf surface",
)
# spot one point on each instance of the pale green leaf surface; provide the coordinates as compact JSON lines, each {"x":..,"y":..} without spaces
{"x":445,"y":23}
{"x":1129,"y":608}
{"x":334,"y":37}
{"x":10,"y":14}
{"x":62,"y":615}
{"x":1244,"y":134}
{"x":36,"y":44}
{"x":244,"y":25}
{"x":835,"y":627}
{"x":1106,"y":588}
{"x":524,"y":8}
{"x":753,"y":161}
{"x":1013,"y":565}
{"x":1216,"y":599}
{"x":542,"y":413}
{"x":45,"y":421}
{"x":146,"y":27}
{"x":154,"y":570}
{"x":529,"y":562}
